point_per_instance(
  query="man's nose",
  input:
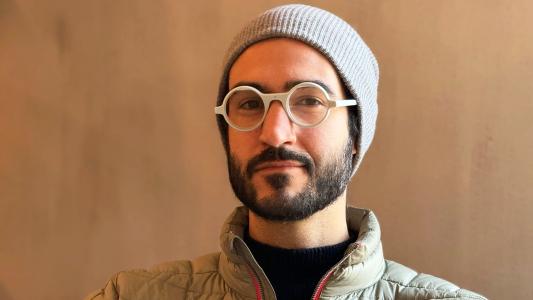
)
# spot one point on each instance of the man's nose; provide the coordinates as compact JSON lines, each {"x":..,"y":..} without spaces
{"x":277,"y":129}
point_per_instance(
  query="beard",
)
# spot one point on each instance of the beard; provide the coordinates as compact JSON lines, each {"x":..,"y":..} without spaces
{"x":324,"y":185}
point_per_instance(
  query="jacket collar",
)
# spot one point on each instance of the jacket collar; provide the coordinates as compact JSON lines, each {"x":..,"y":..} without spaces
{"x":362,"y":265}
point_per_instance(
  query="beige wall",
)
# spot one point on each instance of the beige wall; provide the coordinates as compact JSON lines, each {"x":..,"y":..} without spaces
{"x":110,"y":158}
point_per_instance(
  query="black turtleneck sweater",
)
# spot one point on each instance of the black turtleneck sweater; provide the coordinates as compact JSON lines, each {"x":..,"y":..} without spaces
{"x":295,"y":273}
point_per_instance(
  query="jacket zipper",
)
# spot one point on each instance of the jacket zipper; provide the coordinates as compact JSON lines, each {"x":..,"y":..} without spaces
{"x":252,"y":272}
{"x":321,"y":284}
{"x":257,"y":283}
{"x":325,"y":278}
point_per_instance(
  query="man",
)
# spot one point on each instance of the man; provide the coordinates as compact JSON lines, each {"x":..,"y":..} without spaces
{"x":296,"y":111}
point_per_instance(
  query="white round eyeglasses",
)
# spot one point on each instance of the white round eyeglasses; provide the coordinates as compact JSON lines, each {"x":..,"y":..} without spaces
{"x":307,"y":104}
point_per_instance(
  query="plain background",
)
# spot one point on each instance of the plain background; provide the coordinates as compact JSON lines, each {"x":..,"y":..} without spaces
{"x":110,"y":158}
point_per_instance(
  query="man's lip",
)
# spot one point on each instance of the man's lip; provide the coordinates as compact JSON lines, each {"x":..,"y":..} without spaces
{"x":278,"y":164}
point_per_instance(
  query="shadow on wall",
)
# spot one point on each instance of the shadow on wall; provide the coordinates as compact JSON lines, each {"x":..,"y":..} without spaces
{"x":3,"y":293}
{"x":7,"y":7}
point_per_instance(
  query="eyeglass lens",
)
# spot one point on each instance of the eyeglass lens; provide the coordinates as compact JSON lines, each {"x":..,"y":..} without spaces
{"x":307,"y":105}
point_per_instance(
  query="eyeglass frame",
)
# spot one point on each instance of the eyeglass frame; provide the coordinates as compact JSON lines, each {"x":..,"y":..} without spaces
{"x":284,"y":99}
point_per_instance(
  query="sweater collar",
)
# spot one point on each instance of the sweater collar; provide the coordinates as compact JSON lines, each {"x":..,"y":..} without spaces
{"x":362,"y":265}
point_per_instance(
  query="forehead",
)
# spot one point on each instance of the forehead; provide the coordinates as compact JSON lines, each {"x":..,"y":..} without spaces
{"x":274,"y":63}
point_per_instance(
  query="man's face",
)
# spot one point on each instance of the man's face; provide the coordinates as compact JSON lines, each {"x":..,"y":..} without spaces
{"x":279,"y":170}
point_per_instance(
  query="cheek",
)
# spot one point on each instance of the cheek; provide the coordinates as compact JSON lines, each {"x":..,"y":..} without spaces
{"x":240,"y":143}
{"x":234,"y":141}
{"x":328,"y":138}
{"x":338,"y":127}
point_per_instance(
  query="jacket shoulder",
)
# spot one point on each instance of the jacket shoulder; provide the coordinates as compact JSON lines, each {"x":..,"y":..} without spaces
{"x":170,"y":280}
{"x":410,"y":284}
{"x":203,"y":264}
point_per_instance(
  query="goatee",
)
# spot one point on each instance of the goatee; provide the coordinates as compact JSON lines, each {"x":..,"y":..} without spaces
{"x":324,"y":185}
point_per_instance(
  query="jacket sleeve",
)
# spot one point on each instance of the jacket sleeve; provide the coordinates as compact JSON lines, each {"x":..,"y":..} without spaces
{"x":109,"y":292}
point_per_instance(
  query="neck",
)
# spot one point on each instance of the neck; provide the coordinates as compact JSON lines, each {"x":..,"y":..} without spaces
{"x":324,"y":228}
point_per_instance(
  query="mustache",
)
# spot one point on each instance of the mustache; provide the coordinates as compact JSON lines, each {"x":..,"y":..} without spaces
{"x":280,"y":153}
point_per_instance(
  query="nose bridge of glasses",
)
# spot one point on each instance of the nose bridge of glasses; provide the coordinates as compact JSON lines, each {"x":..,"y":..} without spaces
{"x":270,"y":98}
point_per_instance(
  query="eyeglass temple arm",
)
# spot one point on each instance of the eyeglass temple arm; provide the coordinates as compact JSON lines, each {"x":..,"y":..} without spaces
{"x":219,"y":110}
{"x":342,"y":103}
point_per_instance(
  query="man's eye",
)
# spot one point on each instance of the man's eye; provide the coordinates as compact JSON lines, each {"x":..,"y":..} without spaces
{"x":250,"y":104}
{"x":309,"y":101}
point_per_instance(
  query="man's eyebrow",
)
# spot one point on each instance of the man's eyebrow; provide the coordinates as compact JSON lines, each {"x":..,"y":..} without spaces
{"x":253,"y":84}
{"x":289,"y":85}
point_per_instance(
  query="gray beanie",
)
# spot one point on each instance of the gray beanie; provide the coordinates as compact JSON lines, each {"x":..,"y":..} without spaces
{"x":335,"y":39}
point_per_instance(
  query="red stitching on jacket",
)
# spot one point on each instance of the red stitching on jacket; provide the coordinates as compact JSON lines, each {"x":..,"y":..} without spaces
{"x":321,"y":286}
{"x":256,"y":284}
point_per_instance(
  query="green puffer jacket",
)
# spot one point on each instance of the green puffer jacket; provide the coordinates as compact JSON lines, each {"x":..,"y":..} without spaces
{"x":363,"y":273}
